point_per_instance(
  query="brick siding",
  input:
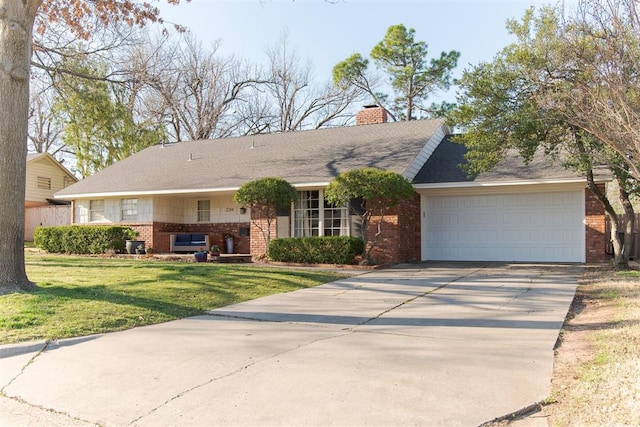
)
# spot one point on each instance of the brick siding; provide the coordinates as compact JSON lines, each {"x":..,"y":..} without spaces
{"x":409,"y":239}
{"x":400,"y":238}
{"x":595,"y":237}
{"x":371,"y":115}
{"x":258,"y":224}
{"x":144,"y":228}
{"x":158,"y":234}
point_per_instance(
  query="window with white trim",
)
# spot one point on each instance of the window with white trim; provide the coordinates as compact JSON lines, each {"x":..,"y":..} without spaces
{"x":129,"y":209}
{"x":204,"y":210}
{"x":335,"y":220}
{"x":313,"y":216}
{"x":96,"y":210}
{"x":306,"y":214}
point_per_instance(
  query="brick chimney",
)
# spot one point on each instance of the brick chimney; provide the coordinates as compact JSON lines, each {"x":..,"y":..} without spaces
{"x":371,"y":115}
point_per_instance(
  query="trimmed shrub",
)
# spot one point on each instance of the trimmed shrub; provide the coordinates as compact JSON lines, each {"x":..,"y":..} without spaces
{"x":81,"y":239}
{"x":316,"y":250}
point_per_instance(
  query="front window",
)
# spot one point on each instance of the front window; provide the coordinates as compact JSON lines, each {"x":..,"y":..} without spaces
{"x":96,"y":210}
{"x":313,"y":216}
{"x":129,"y":208}
{"x":307,"y":214}
{"x":335,"y":220}
{"x":204,"y":210}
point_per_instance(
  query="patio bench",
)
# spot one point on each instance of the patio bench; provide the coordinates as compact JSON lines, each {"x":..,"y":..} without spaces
{"x":191,"y":242}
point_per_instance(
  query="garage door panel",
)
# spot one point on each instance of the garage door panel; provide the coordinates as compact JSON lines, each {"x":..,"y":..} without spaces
{"x":539,"y":227}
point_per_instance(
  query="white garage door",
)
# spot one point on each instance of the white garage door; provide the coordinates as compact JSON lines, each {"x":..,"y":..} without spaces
{"x":537,"y":227}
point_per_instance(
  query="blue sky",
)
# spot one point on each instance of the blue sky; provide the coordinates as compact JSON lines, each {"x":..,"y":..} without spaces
{"x":326,"y":33}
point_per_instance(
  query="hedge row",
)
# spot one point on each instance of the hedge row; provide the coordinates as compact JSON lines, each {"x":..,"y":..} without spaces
{"x":76,"y":239}
{"x":316,"y":250}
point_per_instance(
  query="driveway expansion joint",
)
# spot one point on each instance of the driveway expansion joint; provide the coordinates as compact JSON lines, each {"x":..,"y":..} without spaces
{"x":515,"y":297}
{"x":237,"y":316}
{"x":422,"y":295}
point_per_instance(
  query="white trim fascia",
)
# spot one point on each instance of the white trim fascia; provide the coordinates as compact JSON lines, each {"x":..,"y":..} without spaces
{"x":473,"y":184}
{"x":427,"y":150}
{"x":144,"y":193}
{"x":311,"y":184}
{"x":175,"y":192}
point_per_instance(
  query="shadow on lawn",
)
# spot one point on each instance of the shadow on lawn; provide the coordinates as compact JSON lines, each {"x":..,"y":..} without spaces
{"x":173,"y":304}
{"x":181,"y":291}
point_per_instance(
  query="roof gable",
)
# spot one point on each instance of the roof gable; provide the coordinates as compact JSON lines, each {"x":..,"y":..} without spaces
{"x":50,"y":160}
{"x":446,"y":165}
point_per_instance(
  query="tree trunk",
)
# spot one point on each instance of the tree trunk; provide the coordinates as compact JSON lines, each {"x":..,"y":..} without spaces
{"x":620,"y":262}
{"x":409,"y":101}
{"x":16,"y":26}
{"x":629,"y":225}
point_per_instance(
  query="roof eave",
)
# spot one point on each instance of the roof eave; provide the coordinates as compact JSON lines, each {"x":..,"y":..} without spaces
{"x":175,"y":192}
{"x":476,"y":184}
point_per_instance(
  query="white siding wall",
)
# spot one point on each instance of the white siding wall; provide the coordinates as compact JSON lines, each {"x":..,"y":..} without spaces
{"x":112,"y":210}
{"x":223,"y":210}
{"x":145,"y":209}
{"x":44,"y":168}
{"x":167,"y":209}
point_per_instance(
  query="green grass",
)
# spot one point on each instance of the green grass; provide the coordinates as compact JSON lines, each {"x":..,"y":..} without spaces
{"x":79,"y":296}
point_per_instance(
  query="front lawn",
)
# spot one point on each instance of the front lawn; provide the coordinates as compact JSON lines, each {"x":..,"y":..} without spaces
{"x":82,"y":295}
{"x":595,"y":381}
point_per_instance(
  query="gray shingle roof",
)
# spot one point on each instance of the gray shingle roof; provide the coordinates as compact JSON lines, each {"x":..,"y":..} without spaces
{"x":445,"y":166}
{"x":299,"y":157}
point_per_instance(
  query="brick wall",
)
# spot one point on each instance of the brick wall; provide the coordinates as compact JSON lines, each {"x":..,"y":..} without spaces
{"x":595,"y":228}
{"x":162,"y":231}
{"x":144,"y":228}
{"x":409,"y":241}
{"x":400,"y":237}
{"x":258,"y":224}
{"x":371,"y":115}
{"x":386,"y":244}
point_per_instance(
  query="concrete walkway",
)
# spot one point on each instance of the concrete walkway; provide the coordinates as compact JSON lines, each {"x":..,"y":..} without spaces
{"x":424,"y":344}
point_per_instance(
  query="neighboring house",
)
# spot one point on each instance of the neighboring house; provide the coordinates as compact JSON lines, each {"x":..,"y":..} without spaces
{"x":537,"y":213}
{"x":45,"y":176}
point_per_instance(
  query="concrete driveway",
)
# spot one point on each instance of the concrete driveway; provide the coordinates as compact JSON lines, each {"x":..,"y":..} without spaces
{"x":422,"y":344}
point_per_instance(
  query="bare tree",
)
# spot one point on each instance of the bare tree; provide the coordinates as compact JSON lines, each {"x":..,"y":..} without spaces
{"x":603,"y":98}
{"x":191,"y":88}
{"x":296,"y":102}
{"x":44,"y":132}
